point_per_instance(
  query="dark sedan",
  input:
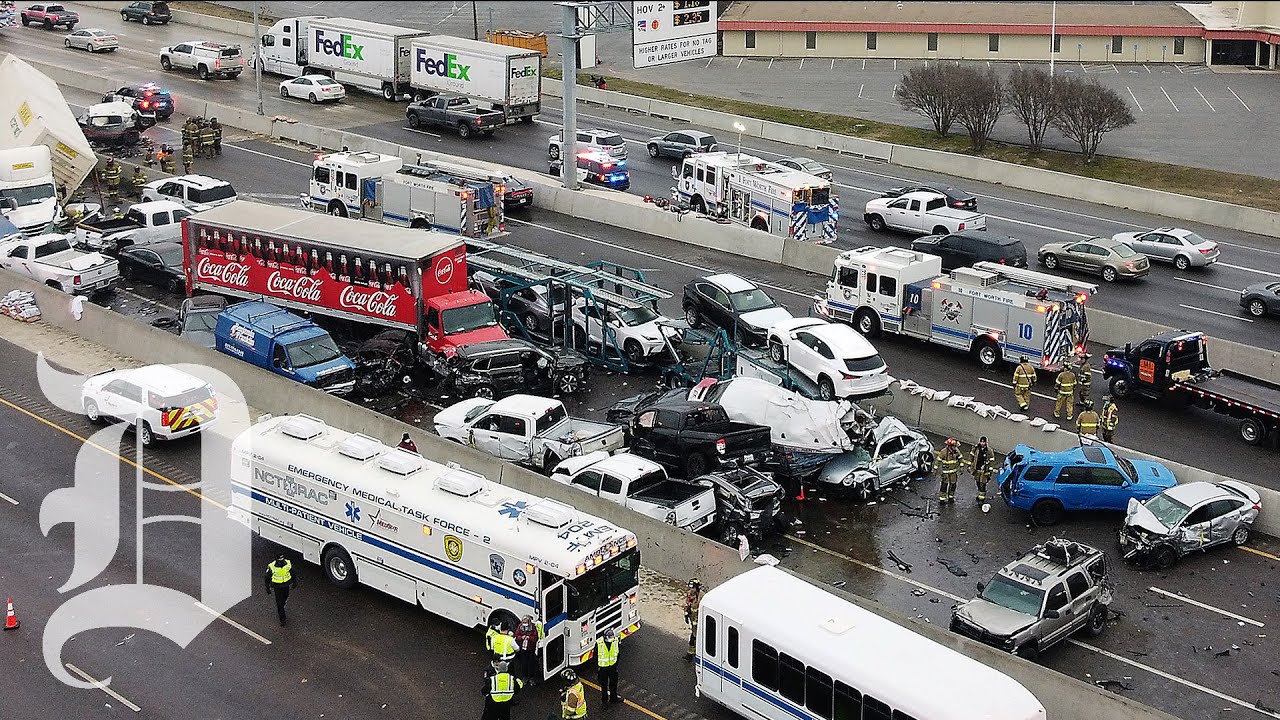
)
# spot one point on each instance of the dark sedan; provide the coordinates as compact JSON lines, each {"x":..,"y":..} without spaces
{"x":1261,"y":299}
{"x":158,"y":264}
{"x":956,"y":197}
{"x":147,"y":12}
{"x":519,"y":194}
{"x":146,"y":98}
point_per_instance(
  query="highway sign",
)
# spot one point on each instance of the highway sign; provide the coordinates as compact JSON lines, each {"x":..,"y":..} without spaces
{"x":669,"y":31}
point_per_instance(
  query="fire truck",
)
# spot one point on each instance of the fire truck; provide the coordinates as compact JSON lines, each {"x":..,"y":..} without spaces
{"x":759,"y":194}
{"x":381,"y":188}
{"x":338,"y":268}
{"x":997,"y":313}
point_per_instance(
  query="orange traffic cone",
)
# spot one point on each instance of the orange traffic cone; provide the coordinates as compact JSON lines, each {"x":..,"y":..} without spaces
{"x":801,"y":495}
{"x":11,"y":620}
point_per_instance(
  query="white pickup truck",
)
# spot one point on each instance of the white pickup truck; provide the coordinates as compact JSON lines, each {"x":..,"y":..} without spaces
{"x":526,"y":429}
{"x":111,"y":235}
{"x":921,"y":213}
{"x":642,"y":485}
{"x":49,"y":259}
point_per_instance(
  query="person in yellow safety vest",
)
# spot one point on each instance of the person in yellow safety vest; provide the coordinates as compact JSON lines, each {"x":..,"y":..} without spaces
{"x":607,"y":667}
{"x":983,"y":465}
{"x":111,"y":178}
{"x":949,"y":469}
{"x":207,"y":135}
{"x":1110,"y":418}
{"x":499,"y":689}
{"x":691,"y":601}
{"x":1084,"y":379}
{"x":138,"y":180}
{"x":1024,"y":376}
{"x":501,"y":643}
{"x":573,"y":699}
{"x":1087,"y":423}
{"x":280,"y":581}
{"x":197,"y":146}
{"x":1066,"y":385}
{"x":189,"y":132}
{"x":528,"y":635}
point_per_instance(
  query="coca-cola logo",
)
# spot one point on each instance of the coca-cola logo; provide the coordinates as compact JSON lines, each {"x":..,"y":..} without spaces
{"x":444,"y":270}
{"x":301,"y":288}
{"x":377,"y":303}
{"x":231,"y":274}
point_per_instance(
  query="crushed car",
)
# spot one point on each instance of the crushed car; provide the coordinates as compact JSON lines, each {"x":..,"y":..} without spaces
{"x":748,"y":502}
{"x":499,"y":368}
{"x":114,"y":123}
{"x":1188,"y":518}
{"x":892,"y":454}
{"x":642,"y":485}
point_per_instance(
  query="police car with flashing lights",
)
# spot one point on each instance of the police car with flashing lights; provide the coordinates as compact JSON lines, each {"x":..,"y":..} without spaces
{"x":160,"y":402}
{"x":597,"y":167}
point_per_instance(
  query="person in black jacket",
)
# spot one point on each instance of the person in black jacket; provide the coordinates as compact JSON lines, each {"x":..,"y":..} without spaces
{"x":279,"y":578}
{"x":499,"y":690}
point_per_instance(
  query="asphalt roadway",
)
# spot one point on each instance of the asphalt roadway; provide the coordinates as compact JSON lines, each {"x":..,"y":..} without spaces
{"x":1199,"y":300}
{"x":363,"y":654}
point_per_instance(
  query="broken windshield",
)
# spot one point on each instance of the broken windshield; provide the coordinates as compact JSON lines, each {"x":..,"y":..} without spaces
{"x":1014,"y":595}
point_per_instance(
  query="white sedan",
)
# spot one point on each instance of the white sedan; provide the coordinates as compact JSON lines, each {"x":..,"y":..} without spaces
{"x":93,"y":40}
{"x":315,"y":88}
{"x":841,"y":362}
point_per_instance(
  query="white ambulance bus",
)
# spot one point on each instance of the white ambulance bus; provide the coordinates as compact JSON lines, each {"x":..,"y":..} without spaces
{"x":773,"y":646}
{"x":436,"y":535}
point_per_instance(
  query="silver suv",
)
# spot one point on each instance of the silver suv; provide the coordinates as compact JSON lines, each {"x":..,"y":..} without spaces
{"x":606,"y":141}
{"x":1039,"y":600}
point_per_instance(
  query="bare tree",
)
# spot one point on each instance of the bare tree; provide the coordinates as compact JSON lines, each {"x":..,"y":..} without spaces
{"x":1035,"y":99}
{"x":1089,"y":111}
{"x":929,"y":90}
{"x":979,"y":102}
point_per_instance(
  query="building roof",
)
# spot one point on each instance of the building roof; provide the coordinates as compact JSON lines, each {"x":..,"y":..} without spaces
{"x":1012,"y":18}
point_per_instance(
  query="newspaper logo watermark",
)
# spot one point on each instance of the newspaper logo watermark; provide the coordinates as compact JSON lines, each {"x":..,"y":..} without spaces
{"x":92,"y":507}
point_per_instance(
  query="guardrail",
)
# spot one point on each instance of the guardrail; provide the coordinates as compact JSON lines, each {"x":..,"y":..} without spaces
{"x":664,"y":548}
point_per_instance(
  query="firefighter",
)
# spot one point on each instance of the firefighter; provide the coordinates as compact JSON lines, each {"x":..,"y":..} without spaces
{"x":149,"y":157}
{"x":949,"y":467}
{"x":1110,"y":418}
{"x":189,"y":133}
{"x":196,"y":146}
{"x":691,"y":600}
{"x":1087,"y":423}
{"x":207,"y":137}
{"x":167,"y":162}
{"x":111,"y":178}
{"x":217,"y":136}
{"x":188,"y":159}
{"x":138,"y":180}
{"x":573,"y":699}
{"x":1024,"y":376}
{"x":1066,"y":385}
{"x":1084,"y":379}
{"x":983,"y":465}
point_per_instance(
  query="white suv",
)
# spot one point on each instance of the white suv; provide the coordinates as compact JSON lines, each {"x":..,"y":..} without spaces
{"x":160,"y":402}
{"x":833,"y":355}
{"x":197,"y":192}
{"x":635,"y":330}
{"x":207,"y":59}
{"x":606,"y":141}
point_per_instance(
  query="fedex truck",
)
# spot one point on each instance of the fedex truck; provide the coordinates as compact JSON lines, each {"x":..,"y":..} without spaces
{"x":509,"y":78}
{"x":367,"y":55}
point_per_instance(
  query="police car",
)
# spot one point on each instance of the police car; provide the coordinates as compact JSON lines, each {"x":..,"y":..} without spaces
{"x":160,"y":402}
{"x":597,"y":167}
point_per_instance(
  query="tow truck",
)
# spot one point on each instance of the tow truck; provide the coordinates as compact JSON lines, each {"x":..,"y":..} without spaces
{"x":1175,"y":365}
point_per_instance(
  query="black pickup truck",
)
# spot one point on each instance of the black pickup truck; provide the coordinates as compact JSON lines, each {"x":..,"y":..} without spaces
{"x":1175,"y":365}
{"x":692,"y":438}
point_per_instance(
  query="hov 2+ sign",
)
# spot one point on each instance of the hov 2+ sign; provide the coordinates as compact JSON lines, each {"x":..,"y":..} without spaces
{"x":672,"y":31}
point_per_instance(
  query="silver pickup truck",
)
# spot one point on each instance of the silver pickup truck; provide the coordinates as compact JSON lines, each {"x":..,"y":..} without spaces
{"x":533,"y":431}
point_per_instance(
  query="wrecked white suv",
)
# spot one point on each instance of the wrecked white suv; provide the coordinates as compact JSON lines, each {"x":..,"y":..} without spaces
{"x":1039,"y":600}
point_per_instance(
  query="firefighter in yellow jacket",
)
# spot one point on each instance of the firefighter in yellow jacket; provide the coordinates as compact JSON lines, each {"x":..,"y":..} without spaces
{"x":949,"y":468}
{"x":1110,"y":418}
{"x":573,"y":699}
{"x":1024,"y":376}
{"x":1066,"y":386}
{"x":982,"y":463}
{"x":1087,"y":423}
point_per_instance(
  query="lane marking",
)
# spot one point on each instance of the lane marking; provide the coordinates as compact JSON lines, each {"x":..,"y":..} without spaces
{"x":626,"y":702}
{"x":875,"y":568}
{"x":102,"y":686}
{"x":8,"y":499}
{"x":422,"y":132}
{"x":1214,"y":312}
{"x":770,"y":64}
{"x":1233,"y":92}
{"x":233,"y":623}
{"x":1135,"y":99}
{"x":860,"y":87}
{"x":801,"y":63}
{"x":1208,"y":285}
{"x":1256,"y":551}
{"x":1205,"y":99}
{"x":704,"y":67}
{"x":1008,"y":386}
{"x":833,"y":64}
{"x":1171,"y":102}
{"x":739,"y":63}
{"x":1249,"y":269}
{"x":1206,"y":606}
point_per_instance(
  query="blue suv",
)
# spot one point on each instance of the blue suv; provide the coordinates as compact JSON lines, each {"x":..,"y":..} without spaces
{"x":1090,"y":477}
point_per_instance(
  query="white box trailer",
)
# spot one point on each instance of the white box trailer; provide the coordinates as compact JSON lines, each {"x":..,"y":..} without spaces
{"x":33,"y":112}
{"x":509,"y":78}
{"x":368,"y":55}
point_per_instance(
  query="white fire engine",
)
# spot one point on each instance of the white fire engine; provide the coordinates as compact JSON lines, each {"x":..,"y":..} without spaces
{"x":378,"y":187}
{"x":993,"y":311}
{"x":759,"y":194}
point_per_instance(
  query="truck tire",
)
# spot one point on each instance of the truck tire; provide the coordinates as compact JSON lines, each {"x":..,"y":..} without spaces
{"x":553,"y":152}
{"x":1097,"y":621}
{"x":165,"y":64}
{"x":146,"y":437}
{"x":338,"y":568}
{"x":48,"y":24}
{"x":939,"y":230}
{"x":700,"y":206}
{"x":1253,"y":431}
{"x":203,"y":72}
{"x":26,"y":22}
{"x":1046,"y":512}
{"x":388,"y":92}
{"x":674,"y":381}
{"x":988,"y":354}
{"x":464,"y":130}
{"x":337,"y":208}
{"x":54,"y":284}
{"x":875,"y":222}
{"x":1121,"y":387}
{"x":146,"y":20}
{"x":759,"y":224}
{"x":414,"y":121}
{"x":549,"y":462}
{"x":124,"y":17}
{"x":867,"y":322}
{"x":1029,"y":652}
{"x":695,"y":466}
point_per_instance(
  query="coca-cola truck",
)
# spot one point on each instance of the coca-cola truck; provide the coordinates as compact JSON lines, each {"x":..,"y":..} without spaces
{"x":378,"y":274}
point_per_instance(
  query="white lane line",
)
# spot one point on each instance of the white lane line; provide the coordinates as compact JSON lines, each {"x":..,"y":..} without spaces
{"x":704,"y":67}
{"x":864,"y":63}
{"x":103,"y":687}
{"x":1208,"y":285}
{"x":1249,"y":247}
{"x":1147,"y":68}
{"x":860,"y":88}
{"x":233,"y":623}
{"x":1249,"y":269}
{"x":833,"y":63}
{"x":1205,"y":99}
{"x":801,"y":63}
{"x":739,"y":63}
{"x":1135,"y":99}
{"x":1246,"y":107}
{"x":8,"y":499}
{"x":770,"y":64}
{"x":1206,"y":606}
{"x":1007,"y":386}
{"x":1171,"y":102}
{"x":1213,"y":312}
{"x":421,"y":132}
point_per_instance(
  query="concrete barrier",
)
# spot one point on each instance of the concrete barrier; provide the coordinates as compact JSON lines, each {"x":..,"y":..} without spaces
{"x":193,"y":19}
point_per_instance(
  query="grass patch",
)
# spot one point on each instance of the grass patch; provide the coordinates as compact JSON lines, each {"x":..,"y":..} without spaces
{"x":1227,"y":187}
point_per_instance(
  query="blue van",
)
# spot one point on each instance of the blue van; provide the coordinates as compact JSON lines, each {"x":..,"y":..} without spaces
{"x":1090,"y":477}
{"x":277,"y":340}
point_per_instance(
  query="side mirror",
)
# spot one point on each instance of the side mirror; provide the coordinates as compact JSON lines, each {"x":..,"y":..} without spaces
{"x":1128,"y":348}
{"x":982,"y":586}
{"x":1052,"y":614}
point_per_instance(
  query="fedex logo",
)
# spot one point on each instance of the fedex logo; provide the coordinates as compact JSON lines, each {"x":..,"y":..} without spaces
{"x":446,"y":67}
{"x":342,"y":47}
{"x":524,"y":72}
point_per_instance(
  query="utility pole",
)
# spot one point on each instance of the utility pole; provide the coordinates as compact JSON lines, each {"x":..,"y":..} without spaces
{"x":569,"y":71}
{"x":1053,"y":35}
{"x":475,"y":22}
{"x":257,"y":56}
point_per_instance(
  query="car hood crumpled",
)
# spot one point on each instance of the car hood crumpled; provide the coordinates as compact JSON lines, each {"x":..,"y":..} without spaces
{"x":993,"y":618}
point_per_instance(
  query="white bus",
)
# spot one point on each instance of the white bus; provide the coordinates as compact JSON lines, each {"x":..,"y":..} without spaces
{"x":773,"y":646}
{"x":436,"y":535}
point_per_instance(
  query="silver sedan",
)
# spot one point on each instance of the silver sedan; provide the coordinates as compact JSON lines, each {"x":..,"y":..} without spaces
{"x":889,"y":454}
{"x":1186,"y":518}
{"x":92,"y":39}
{"x":808,"y":165}
{"x":1183,"y":248}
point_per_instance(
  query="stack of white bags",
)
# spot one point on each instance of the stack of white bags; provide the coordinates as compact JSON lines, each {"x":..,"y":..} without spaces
{"x":20,"y":305}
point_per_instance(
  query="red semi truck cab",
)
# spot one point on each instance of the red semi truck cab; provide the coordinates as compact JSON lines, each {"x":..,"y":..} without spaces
{"x":379,"y":274}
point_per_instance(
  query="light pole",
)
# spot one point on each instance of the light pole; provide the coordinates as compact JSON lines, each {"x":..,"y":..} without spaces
{"x":569,"y":75}
{"x":739,"y":127}
{"x":1053,"y":35}
{"x":257,"y":57}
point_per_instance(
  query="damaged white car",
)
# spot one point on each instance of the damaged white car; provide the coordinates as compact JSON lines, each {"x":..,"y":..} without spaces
{"x":1186,"y":518}
{"x":894,"y":453}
